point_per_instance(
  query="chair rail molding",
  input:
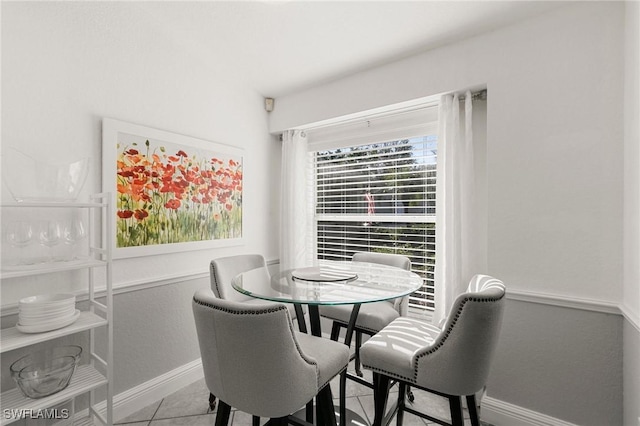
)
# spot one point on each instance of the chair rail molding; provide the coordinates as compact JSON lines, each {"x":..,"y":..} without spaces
{"x":632,"y":317}
{"x":124,"y":287}
{"x":519,"y":295}
{"x":565,"y":301}
{"x":576,"y":303}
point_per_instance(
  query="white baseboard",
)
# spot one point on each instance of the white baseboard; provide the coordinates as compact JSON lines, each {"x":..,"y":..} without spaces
{"x":500,"y":413}
{"x":132,"y":400}
{"x":495,"y":412}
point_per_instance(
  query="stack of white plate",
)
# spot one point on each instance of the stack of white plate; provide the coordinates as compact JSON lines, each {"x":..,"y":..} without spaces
{"x":37,"y":314}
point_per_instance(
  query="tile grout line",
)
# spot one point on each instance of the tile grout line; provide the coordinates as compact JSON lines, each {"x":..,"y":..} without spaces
{"x":155,"y":412}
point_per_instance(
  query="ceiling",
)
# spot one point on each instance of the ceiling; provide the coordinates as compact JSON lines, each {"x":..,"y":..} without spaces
{"x":279,"y":47}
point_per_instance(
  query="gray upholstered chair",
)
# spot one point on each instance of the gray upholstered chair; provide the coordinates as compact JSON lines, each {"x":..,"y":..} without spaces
{"x":224,"y":269}
{"x":256,"y":362}
{"x":372,"y":317}
{"x":452,"y":362}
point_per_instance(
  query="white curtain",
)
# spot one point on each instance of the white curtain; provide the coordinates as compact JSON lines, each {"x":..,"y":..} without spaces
{"x":295,"y":212}
{"x":459,"y":252}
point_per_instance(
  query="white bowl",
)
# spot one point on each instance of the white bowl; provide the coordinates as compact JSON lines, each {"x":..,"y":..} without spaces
{"x":48,"y":325}
{"x":47,"y":300}
{"x":45,"y":310}
{"x":38,"y":322}
{"x":47,"y":314}
{"x":44,"y":318}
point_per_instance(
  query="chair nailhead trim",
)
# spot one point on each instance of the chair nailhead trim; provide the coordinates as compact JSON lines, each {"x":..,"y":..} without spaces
{"x":215,"y":280}
{"x":244,"y":311}
{"x":450,"y":329}
{"x":389,"y":373}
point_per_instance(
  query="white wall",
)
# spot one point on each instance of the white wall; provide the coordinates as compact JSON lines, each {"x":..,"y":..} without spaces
{"x":631,"y":288}
{"x":554,"y":132}
{"x":555,"y":187}
{"x":65,"y":65}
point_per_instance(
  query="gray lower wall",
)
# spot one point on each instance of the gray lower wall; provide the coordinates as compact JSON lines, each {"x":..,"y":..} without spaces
{"x":562,"y":362}
{"x":154,"y":333}
{"x":631,"y":374}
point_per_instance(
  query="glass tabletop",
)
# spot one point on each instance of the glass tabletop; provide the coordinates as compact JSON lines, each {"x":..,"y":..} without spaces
{"x":329,"y":283}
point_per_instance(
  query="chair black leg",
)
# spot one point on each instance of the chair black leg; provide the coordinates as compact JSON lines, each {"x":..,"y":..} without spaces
{"x":302,"y":325}
{"x":380,"y":395}
{"x":343,"y":398}
{"x":224,"y":412}
{"x":357,"y":360}
{"x":325,"y":412}
{"x":455,"y":405}
{"x":293,"y":420}
{"x":309,"y":412}
{"x":335,"y":331}
{"x":255,"y":421}
{"x":410,"y":396}
{"x":212,"y":401}
{"x":473,"y":410}
{"x":402,"y":390}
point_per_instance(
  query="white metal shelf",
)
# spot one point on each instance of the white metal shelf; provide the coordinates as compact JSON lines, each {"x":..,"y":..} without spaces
{"x":48,"y":268}
{"x":11,"y":338}
{"x":30,"y":204}
{"x":84,"y":379}
{"x":85,"y":421}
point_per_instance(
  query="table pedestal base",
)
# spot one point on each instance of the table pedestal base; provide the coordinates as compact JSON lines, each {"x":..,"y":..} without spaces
{"x":353,"y":419}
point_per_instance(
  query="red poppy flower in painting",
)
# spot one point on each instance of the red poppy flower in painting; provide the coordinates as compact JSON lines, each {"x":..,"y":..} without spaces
{"x":124,"y":214}
{"x":140,"y":214}
{"x":173,"y":204}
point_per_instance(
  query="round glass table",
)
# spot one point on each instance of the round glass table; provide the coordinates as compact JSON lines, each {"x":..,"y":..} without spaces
{"x":328,"y":283}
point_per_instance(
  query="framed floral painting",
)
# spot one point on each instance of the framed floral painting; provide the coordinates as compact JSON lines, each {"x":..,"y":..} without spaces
{"x":170,"y":192}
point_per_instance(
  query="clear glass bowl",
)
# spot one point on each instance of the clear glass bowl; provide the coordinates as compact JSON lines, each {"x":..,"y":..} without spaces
{"x":29,"y":179}
{"x":49,"y":377}
{"x":46,"y":372}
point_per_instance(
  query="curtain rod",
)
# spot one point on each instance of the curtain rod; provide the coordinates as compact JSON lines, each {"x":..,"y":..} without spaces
{"x":476,"y":96}
{"x":479,"y":95}
{"x":362,"y":118}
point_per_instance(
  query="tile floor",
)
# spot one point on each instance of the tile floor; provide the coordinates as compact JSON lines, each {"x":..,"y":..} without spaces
{"x":189,"y":406}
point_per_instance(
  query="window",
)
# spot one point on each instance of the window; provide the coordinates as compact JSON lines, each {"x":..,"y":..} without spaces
{"x":379,"y":197}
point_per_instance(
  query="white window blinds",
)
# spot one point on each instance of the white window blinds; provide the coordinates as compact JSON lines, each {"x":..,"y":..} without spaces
{"x":379,"y":194}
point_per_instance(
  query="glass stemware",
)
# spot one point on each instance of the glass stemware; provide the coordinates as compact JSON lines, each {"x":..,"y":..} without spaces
{"x":19,"y":234}
{"x":73,"y":232}
{"x":50,"y":236}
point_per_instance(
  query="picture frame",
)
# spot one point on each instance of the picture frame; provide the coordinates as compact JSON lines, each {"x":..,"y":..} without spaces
{"x":170,"y":192}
